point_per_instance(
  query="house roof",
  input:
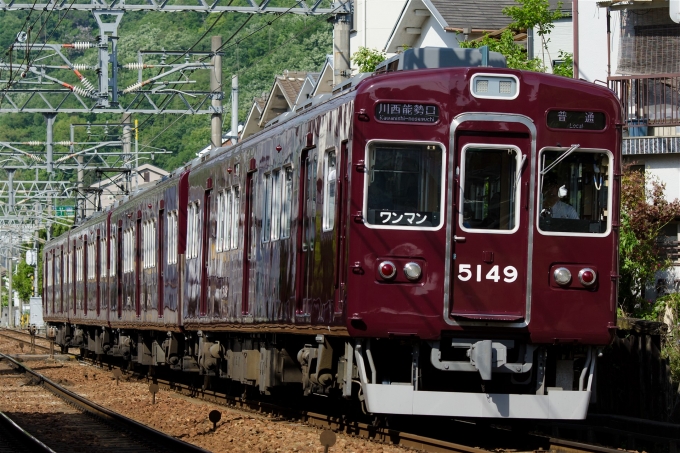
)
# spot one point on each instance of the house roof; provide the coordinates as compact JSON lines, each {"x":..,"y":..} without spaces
{"x":476,"y":14}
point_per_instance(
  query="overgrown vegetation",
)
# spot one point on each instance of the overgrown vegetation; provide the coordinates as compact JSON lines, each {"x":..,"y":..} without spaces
{"x":367,"y":59}
{"x":644,"y":213}
{"x":566,"y":68}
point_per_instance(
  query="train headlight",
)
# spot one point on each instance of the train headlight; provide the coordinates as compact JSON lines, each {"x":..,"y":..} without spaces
{"x":587,"y":276}
{"x":412,"y":271}
{"x":387,"y":270}
{"x":562,"y":276}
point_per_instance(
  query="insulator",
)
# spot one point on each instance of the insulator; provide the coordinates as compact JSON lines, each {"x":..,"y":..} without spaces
{"x":133,"y":87}
{"x":81,"y":66}
{"x":81,"y":92}
{"x":83,"y":45}
{"x":86,"y":83}
{"x":136,"y":66}
{"x":63,"y":143}
{"x":34,"y":143}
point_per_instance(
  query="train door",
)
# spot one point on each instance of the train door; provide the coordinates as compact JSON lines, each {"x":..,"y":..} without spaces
{"x":97,"y":270}
{"x":307,"y":229}
{"x":205,"y":249}
{"x":138,"y":265}
{"x":119,"y":269}
{"x":341,"y":232}
{"x":249,"y":240}
{"x":489,"y":228}
{"x":160,"y":264}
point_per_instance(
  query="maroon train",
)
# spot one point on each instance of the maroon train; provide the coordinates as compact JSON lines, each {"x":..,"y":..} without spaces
{"x":434,"y":241}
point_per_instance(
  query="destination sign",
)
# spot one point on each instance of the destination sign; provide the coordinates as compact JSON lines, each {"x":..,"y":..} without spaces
{"x":570,"y":119}
{"x":405,"y":112}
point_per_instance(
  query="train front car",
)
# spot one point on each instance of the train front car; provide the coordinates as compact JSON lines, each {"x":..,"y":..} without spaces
{"x":482,"y":241}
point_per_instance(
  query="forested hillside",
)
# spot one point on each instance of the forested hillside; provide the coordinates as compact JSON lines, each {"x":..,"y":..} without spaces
{"x":256,"y":47}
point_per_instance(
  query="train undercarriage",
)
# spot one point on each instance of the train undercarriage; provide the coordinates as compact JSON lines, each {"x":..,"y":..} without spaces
{"x":463,"y":377}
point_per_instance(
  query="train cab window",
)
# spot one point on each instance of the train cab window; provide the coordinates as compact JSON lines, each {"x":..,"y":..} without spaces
{"x":574,"y":186}
{"x":489,"y":189}
{"x":403,"y":188}
{"x":286,"y":200}
{"x":329,"y":189}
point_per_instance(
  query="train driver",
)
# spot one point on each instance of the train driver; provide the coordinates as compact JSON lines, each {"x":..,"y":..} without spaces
{"x":552,"y":205}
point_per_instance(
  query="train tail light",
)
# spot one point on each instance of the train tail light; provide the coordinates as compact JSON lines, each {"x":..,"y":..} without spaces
{"x":387,"y":270}
{"x":412,"y":271}
{"x":587,"y":277}
{"x":562,"y":276}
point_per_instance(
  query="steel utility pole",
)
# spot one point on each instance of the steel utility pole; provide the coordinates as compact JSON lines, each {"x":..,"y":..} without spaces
{"x":10,"y":300}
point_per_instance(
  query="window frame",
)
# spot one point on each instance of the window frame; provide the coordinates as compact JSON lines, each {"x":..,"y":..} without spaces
{"x":518,"y":188}
{"x":442,"y":206}
{"x":328,"y":216}
{"x":539,"y":191}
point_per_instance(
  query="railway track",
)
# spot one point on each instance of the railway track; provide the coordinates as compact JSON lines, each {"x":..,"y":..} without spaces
{"x":109,"y":429}
{"x":600,"y":429}
{"x":14,"y":439}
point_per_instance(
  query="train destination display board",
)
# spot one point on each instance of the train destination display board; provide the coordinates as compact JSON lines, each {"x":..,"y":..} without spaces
{"x":406,"y":112}
{"x":570,"y":119}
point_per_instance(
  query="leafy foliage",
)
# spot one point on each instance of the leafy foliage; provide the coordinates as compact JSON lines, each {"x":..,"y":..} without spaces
{"x":367,"y":59}
{"x":566,"y":68}
{"x":533,"y":13}
{"x":514,"y":53}
{"x":644,"y":212}
{"x":22,"y":281}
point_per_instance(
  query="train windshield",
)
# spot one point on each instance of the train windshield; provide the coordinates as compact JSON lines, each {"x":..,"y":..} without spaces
{"x":404,"y":185}
{"x":574,"y":191}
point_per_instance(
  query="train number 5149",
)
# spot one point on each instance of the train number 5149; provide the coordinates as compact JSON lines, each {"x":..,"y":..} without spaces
{"x":465,"y":273}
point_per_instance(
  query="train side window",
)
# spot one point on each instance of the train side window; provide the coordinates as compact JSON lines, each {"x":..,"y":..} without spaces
{"x":193,"y":234}
{"x":276,"y":205}
{"x":91,"y":260}
{"x":287,"y":196}
{"x":102,"y":257}
{"x":403,"y":187}
{"x":574,"y":191}
{"x":267,"y":208}
{"x":172,"y":237}
{"x":79,"y":263}
{"x":489,"y":188}
{"x":329,"y":177}
{"x":235,"y":215}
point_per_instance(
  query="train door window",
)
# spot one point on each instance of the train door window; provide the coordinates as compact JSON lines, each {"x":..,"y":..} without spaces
{"x":403,"y":188}
{"x":112,"y":256}
{"x":91,"y":259}
{"x":193,"y":233}
{"x":267,"y":208}
{"x":102,"y":257}
{"x":219,"y":234}
{"x":286,"y":200}
{"x":226,"y":223}
{"x":489,"y":188}
{"x":276,"y":205}
{"x":574,"y":191}
{"x":329,"y":177}
{"x":235,"y":215}
{"x":172,"y":234}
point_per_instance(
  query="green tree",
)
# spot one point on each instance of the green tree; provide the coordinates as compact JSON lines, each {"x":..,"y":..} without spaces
{"x":514,"y":54}
{"x":534,"y":14}
{"x":644,"y":212}
{"x":22,"y":281}
{"x":367,"y":59}
{"x":566,"y":68}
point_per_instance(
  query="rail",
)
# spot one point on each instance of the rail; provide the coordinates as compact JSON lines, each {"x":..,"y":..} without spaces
{"x":648,"y":100}
{"x":21,"y":438}
{"x":152,"y":436}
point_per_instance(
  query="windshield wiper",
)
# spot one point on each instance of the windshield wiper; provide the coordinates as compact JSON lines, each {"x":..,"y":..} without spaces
{"x":564,"y":155}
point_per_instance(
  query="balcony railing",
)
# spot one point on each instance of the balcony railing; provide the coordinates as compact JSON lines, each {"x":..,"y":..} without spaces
{"x":648,"y":100}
